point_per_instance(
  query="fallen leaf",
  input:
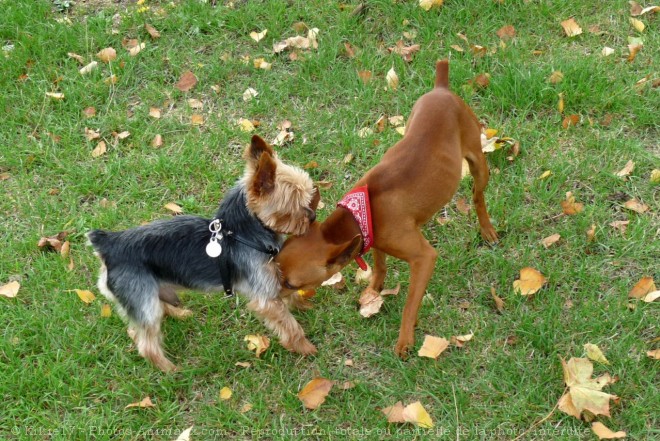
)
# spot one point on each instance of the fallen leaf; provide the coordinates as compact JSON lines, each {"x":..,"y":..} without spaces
{"x":478,"y":50}
{"x":99,"y":150}
{"x":654,"y":178}
{"x":642,"y":288}
{"x":157,"y":142}
{"x":556,"y":77}
{"x":626,"y":170}
{"x":650,"y":9}
{"x":106,"y":310}
{"x":136,"y":49}
{"x":602,"y":432}
{"x":346,"y":385}
{"x":185,"y":435}
{"x":52,"y":242}
{"x":348,"y":362}
{"x":406,"y":52}
{"x":392,"y":79}
{"x":257,"y":36}
{"x":397,"y":120}
{"x":569,"y":206}
{"x":550,"y":240}
{"x":195,"y":104}
{"x":633,"y":49}
{"x":196,"y":119}
{"x":544,"y":175}
{"x":311,"y":165}
{"x":10,"y":289}
{"x":591,"y":233}
{"x":314,"y":392}
{"x":335,"y":280}
{"x":249,"y":94}
{"x":260,"y":63}
{"x":457,"y":48}
{"x":152,"y":31}
{"x":635,"y":8}
{"x":636,"y":206}
{"x":89,"y":112}
{"x":530,"y":281}
{"x":620,"y":225}
{"x":146,"y":402}
{"x":245,"y":125}
{"x":651,"y":297}
{"x":560,"y":103}
{"x":88,"y":68}
{"x":391,"y":291}
{"x":76,"y":57}
{"x":365,"y":75}
{"x":428,"y":4}
{"x":433,"y":347}
{"x":463,"y":206}
{"x":121,"y":135}
{"x":394,"y":413}
{"x":370,"y":302}
{"x":257,"y":343}
{"x":655,"y":354}
{"x":112,"y":79}
{"x":245,"y":408}
{"x":506,"y":32}
{"x":637,"y":24}
{"x":499,"y":303}
{"x":174,"y":208}
{"x":416,"y":414}
{"x":283,"y":137}
{"x":154,"y":112}
{"x":243,"y":364}
{"x":186,"y":82}
{"x":460,"y":340}
{"x":362,"y":276}
{"x":481,"y":80}
{"x":570,"y":120}
{"x":225,"y":393}
{"x":594,"y":353}
{"x":85,"y":295}
{"x":607,"y":51}
{"x":571,"y":28}
{"x":584,"y":392}
{"x":55,"y":95}
{"x":107,"y":55}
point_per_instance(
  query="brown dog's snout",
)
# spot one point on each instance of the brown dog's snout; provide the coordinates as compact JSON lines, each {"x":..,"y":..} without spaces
{"x":311,"y":215}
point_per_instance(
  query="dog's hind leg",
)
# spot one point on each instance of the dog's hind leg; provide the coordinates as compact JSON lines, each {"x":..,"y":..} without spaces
{"x":170,"y":303}
{"x":278,"y":318}
{"x":479,"y":171}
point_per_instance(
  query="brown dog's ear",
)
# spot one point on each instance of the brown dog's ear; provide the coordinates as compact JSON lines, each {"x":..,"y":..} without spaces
{"x":263,"y":180}
{"x":343,"y":253}
{"x":315,"y":199}
{"x":257,"y":147}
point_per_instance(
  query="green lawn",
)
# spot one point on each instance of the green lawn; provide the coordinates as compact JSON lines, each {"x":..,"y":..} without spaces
{"x":67,"y":373}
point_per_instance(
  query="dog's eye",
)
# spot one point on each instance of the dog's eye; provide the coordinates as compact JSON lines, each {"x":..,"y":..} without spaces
{"x":287,"y":285}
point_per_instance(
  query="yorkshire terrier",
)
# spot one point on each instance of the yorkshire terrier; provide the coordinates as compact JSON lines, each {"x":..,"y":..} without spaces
{"x":141,"y":268}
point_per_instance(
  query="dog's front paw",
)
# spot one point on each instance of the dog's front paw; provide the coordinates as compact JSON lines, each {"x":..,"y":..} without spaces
{"x":489,"y":235}
{"x":304,"y":347}
{"x":402,"y":346}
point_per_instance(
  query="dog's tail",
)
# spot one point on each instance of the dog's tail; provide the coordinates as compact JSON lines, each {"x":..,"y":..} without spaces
{"x":442,"y":74}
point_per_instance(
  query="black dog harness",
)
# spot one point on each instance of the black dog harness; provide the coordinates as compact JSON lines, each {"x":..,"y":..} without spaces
{"x":225,"y":265}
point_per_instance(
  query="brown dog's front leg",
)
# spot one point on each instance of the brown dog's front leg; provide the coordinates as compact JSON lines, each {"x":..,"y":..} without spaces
{"x":379,"y":270}
{"x":421,"y":269}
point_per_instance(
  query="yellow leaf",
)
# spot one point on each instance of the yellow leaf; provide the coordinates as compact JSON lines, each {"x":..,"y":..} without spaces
{"x":626,"y":170}
{"x":174,"y":208}
{"x":257,"y":343}
{"x":55,"y":95}
{"x":257,"y":36}
{"x":584,"y":392}
{"x":260,"y":63}
{"x":594,"y":353}
{"x":394,"y":413}
{"x":433,"y":346}
{"x":460,"y":340}
{"x":106,"y":311}
{"x":530,"y":281}
{"x":490,"y":133}
{"x":225,"y":393}
{"x":107,"y":55}
{"x":655,"y":176}
{"x":370,"y":302}
{"x":654,"y":354}
{"x":85,"y":295}
{"x":416,"y":414}
{"x":10,"y":289}
{"x":651,"y":297}
{"x":400,"y":130}
{"x":146,"y":402}
{"x":571,"y":28}
{"x":637,"y":24}
{"x":314,"y":392}
{"x":392,"y":79}
{"x":196,"y":119}
{"x":560,"y":104}
{"x":556,"y":77}
{"x":550,"y":240}
{"x":602,"y":432}
{"x":591,"y":233}
{"x":545,"y":174}
{"x":245,"y":125}
{"x":428,"y":4}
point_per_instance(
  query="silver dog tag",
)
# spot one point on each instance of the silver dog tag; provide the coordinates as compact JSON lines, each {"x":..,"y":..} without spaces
{"x":213,"y":249}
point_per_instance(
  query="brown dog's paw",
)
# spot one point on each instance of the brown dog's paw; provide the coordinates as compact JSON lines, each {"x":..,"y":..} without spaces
{"x":490,"y":235}
{"x":401,"y":348}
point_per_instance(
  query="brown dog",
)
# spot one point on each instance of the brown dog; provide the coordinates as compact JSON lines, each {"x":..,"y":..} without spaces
{"x":415,"y":178}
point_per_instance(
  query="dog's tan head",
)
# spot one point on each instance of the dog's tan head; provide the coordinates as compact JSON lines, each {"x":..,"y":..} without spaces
{"x":282,"y":196}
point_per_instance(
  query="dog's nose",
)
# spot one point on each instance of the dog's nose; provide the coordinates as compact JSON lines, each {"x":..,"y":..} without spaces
{"x":311,"y":214}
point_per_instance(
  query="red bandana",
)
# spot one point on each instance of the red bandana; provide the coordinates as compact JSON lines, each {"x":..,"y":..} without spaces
{"x":357,"y":202}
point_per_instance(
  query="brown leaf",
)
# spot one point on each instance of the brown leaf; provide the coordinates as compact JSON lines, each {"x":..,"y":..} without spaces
{"x":570,"y":120}
{"x":350,"y":50}
{"x":571,"y":28}
{"x":602,"y":432}
{"x":506,"y":32}
{"x":186,"y":82}
{"x":53,"y":242}
{"x":460,"y":340}
{"x":76,"y":57}
{"x":245,"y":408}
{"x":556,"y":77}
{"x":570,"y":206}
{"x":655,"y":354}
{"x":584,"y":392}
{"x":174,"y":208}
{"x":243,"y":364}
{"x":406,"y":52}
{"x":620,"y":225}
{"x":391,"y":291}
{"x":499,"y":303}
{"x":626,"y":170}
{"x":463,"y":206}
{"x":146,"y":402}
{"x":370,"y":302}
{"x":154,"y":112}
{"x":89,"y":112}
{"x":633,"y":49}
{"x":257,"y":343}
{"x":152,"y":31}
{"x":591,"y":233}
{"x":10,"y":289}
{"x":136,"y":49}
{"x":157,"y":142}
{"x":394,"y":413}
{"x":433,"y":346}
{"x":346,"y":385}
{"x":642,"y":288}
{"x":481,"y":80}
{"x":457,"y":48}
{"x":365,"y":75}
{"x":635,"y":8}
{"x":107,"y":55}
{"x":64,"y":251}
{"x":314,"y":392}
{"x":550,"y":240}
{"x":196,"y":119}
{"x":530,"y":281}
{"x":99,"y":150}
{"x":636,"y":206}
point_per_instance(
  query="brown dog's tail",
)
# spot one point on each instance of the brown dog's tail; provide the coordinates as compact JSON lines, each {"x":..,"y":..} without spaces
{"x":442,"y":74}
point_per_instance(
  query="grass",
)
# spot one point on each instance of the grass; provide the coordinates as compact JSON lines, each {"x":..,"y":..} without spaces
{"x":68,"y":373}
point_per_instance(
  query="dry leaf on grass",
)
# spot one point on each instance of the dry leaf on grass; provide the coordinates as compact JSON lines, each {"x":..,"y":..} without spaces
{"x":363,"y":276}
{"x":594,"y":353}
{"x":633,"y":49}
{"x":10,"y":289}
{"x":626,"y":170}
{"x":607,"y":51}
{"x":584,"y":392}
{"x":433,"y":347}
{"x":107,"y":55}
{"x":571,"y":28}
{"x":100,"y":149}
{"x":416,"y":414}
{"x":654,"y":178}
{"x":655,"y":354}
{"x":314,"y":392}
{"x":85,"y":295}
{"x":570,"y":120}
{"x":246,"y":408}
{"x":620,"y":225}
{"x":185,"y":435}
{"x":570,"y":206}
{"x":370,"y":302}
{"x":636,"y":206}
{"x":53,"y":242}
{"x":88,"y":68}
{"x":245,"y":125}
{"x":58,"y":96}
{"x":225,"y":393}
{"x":146,"y":402}
{"x":392,"y":79}
{"x":174,"y":208}
{"x":249,"y":94}
{"x":394,"y":413}
{"x":499,"y":303}
{"x":506,"y":32}
{"x":637,"y":24}
{"x":591,"y":233}
{"x":651,"y":297}
{"x":391,"y":291}
{"x":336,"y":281}
{"x":406,"y":52}
{"x":645,"y":286}
{"x":602,"y":432}
{"x":550,"y":240}
{"x":157,"y":142}
{"x":257,"y":343}
{"x":186,"y":82}
{"x":258,"y":36}
{"x":243,"y":364}
{"x":556,"y":77}
{"x":76,"y":57}
{"x":152,"y":31}
{"x":530,"y":281}
{"x":460,"y":340}
{"x":106,"y":310}
{"x":196,"y":119}
{"x":428,"y":4}
{"x":89,"y":112}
